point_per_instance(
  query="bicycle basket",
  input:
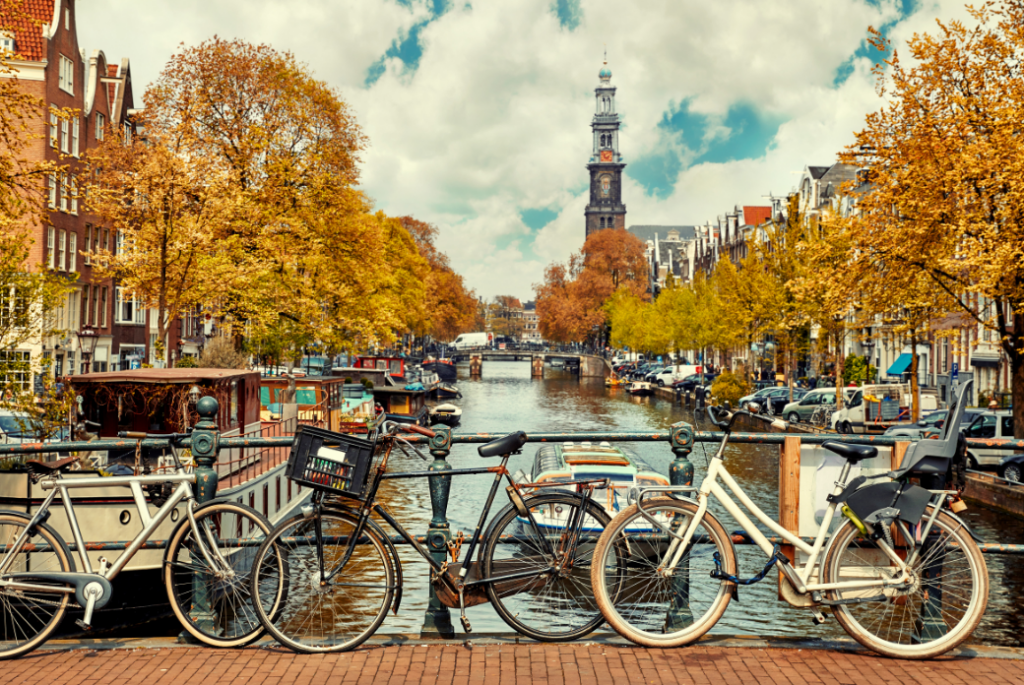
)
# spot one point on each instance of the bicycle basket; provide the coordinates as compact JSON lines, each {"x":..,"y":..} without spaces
{"x":338,"y":463}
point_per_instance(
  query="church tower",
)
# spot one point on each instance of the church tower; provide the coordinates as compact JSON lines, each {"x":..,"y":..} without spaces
{"x":605,"y":209}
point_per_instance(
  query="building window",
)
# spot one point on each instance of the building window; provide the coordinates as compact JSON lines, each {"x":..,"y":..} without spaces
{"x":18,"y":368}
{"x":64,"y":128}
{"x":67,"y":75}
{"x":74,"y":136}
{"x":127,"y":309}
{"x":7,"y":42}
{"x":85,"y":305}
{"x":54,"y":126}
{"x":88,"y":244}
{"x":74,"y":194}
{"x":101,"y":124}
{"x":64,"y":193}
{"x":106,"y":240}
{"x":127,"y":133}
{"x":51,"y":255}
{"x":73,"y":252}
{"x":67,"y":19}
{"x":62,"y":251}
{"x":103,"y":307}
{"x":52,"y":200}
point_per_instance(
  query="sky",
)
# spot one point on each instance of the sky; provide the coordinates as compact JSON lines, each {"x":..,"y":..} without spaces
{"x":478,"y":111}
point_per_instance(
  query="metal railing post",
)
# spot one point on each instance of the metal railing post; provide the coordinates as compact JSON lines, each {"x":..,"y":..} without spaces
{"x":437,"y":620}
{"x":681,"y":473}
{"x":205,"y":446}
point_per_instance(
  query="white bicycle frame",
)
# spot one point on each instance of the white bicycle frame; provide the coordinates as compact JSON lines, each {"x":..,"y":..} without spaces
{"x":798,"y":578}
{"x":135,"y":483}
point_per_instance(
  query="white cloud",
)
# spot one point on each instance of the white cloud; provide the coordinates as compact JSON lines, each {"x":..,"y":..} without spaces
{"x":495,"y":120}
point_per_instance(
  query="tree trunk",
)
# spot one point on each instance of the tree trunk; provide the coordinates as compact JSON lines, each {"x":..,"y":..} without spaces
{"x":1016,"y":356}
{"x":915,"y":407}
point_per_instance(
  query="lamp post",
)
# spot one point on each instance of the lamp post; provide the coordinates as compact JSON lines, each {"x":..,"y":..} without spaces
{"x":868,"y":345}
{"x":87,"y":338}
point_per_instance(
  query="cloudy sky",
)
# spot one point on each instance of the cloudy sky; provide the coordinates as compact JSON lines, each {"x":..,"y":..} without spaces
{"x":478,"y":111}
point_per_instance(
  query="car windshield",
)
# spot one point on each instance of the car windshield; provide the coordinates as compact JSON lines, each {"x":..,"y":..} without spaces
{"x":11,"y":425}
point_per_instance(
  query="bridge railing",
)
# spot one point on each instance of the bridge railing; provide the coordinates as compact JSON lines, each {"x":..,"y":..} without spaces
{"x":206,"y":445}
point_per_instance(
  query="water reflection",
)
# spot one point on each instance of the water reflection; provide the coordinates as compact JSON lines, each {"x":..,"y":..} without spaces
{"x":507,"y":399}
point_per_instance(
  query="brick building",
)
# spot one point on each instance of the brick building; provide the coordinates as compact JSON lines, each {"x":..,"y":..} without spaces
{"x":50,"y":64}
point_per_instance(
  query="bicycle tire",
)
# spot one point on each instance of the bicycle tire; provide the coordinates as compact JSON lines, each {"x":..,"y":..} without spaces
{"x":901,"y":615}
{"x":217,"y":611}
{"x":644,"y":607}
{"x":312,"y":617}
{"x":32,"y":615}
{"x":550,"y":609}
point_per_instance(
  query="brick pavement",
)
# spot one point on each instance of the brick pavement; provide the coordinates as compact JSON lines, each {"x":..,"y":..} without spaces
{"x":497,"y":665}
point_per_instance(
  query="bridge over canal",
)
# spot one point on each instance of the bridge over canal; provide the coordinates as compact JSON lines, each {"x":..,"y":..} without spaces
{"x":586,"y":365}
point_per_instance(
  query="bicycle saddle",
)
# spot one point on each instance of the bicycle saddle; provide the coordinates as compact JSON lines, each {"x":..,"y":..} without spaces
{"x":45,"y":468}
{"x":852,"y":453}
{"x":506,"y":445}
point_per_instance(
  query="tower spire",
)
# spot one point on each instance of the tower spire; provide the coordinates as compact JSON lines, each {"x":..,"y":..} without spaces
{"x":605,"y":209}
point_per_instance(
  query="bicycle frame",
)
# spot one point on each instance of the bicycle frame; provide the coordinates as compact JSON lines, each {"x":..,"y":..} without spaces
{"x":800,"y":579}
{"x":59,"y":486}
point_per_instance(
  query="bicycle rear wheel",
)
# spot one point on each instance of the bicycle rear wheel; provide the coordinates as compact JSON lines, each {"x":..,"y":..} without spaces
{"x":212,"y":598}
{"x":643,"y":602}
{"x":940,"y":608}
{"x":28,"y":618}
{"x":317,"y":616}
{"x":553,"y":606}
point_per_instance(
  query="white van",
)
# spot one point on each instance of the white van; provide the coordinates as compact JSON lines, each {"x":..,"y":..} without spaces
{"x":470,"y":341}
{"x":671,"y":374}
{"x":989,"y":425}
{"x":851,"y":419}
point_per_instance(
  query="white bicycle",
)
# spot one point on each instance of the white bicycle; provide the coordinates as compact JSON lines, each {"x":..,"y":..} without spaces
{"x":902,"y":574}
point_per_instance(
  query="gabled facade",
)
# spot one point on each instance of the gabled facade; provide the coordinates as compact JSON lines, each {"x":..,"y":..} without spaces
{"x":50,"y":65}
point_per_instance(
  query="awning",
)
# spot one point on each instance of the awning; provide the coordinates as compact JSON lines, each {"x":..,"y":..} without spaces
{"x":985,"y":359}
{"x":901,"y":364}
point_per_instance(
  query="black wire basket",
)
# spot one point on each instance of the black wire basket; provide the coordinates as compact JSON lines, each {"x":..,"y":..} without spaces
{"x":338,"y":463}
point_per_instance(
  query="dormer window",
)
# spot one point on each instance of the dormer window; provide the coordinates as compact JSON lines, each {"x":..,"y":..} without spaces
{"x":7,"y":42}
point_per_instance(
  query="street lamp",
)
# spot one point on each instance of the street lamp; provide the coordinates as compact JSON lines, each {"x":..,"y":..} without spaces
{"x":868,"y":345}
{"x":87,"y":339}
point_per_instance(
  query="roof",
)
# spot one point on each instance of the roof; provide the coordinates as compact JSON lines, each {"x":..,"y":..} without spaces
{"x":647,"y":232}
{"x":161,"y":376}
{"x":28,"y":30}
{"x":840,"y":173}
{"x":756,"y":216}
{"x":817,"y":171}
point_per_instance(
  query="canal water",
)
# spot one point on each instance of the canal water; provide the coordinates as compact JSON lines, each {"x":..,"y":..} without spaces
{"x":507,"y":399}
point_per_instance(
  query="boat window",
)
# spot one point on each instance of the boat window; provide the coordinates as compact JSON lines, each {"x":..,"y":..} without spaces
{"x":305,"y":395}
{"x":396,"y":368}
{"x":382,"y":365}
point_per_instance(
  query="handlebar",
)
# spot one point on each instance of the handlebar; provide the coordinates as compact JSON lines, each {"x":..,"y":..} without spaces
{"x":413,"y":428}
{"x":139,"y":435}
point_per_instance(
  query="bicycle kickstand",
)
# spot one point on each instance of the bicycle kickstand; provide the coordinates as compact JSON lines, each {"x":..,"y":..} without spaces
{"x":462,"y":610}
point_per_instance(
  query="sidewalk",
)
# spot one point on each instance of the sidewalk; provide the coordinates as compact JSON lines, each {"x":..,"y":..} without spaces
{"x":496,"y":663}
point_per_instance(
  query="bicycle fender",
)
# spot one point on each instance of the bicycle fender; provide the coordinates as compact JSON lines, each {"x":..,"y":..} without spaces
{"x":962,"y":523}
{"x":51,"y":531}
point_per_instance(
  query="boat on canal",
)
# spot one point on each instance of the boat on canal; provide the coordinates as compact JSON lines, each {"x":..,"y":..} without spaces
{"x":567,"y":462}
{"x":446,"y":414}
{"x":444,"y":368}
{"x":640,"y":388}
{"x":447,"y":391}
{"x":400,"y":393}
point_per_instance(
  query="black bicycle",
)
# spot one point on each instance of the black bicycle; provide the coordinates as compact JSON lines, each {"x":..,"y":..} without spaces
{"x":341,"y":572}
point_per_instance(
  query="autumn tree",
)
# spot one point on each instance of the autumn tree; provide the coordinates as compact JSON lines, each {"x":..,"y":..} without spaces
{"x":946,"y":165}
{"x":571,"y":300}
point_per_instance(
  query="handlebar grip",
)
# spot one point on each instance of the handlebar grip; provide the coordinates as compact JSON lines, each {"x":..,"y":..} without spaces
{"x":413,"y":428}
{"x":132,"y":434}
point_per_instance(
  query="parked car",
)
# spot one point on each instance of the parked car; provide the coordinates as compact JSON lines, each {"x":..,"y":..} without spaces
{"x":693,"y":380}
{"x":651,"y":375}
{"x":930,"y":423}
{"x":756,"y":397}
{"x":990,"y":424}
{"x":802,"y":409}
{"x":777,"y":398}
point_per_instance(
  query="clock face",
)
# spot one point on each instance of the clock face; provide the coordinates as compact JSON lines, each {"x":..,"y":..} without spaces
{"x":606,"y":155}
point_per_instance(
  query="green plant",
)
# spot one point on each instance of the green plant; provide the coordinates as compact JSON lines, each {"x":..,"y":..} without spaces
{"x":367,"y":383}
{"x":187,"y":363}
{"x":729,"y":387}
{"x":854,"y":370}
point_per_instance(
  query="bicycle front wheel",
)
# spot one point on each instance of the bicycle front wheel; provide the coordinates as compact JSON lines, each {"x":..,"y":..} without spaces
{"x":325,"y":609}
{"x":557,"y":604}
{"x":29,"y":617}
{"x":937,"y":610}
{"x":207,"y":578}
{"x":644,"y":601}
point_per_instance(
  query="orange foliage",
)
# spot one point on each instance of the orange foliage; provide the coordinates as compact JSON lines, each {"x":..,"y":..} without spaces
{"x":570,"y":301}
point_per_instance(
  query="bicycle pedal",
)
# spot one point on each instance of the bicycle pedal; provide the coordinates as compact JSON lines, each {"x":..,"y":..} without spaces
{"x":83,"y":625}
{"x":817,"y":617}
{"x":465,"y":624}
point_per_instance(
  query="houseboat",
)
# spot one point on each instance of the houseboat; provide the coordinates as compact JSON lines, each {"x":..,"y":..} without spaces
{"x":575,"y":461}
{"x":401,"y":394}
{"x":158,"y":401}
{"x":337,"y":403}
{"x":640,"y":388}
{"x":444,"y":368}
